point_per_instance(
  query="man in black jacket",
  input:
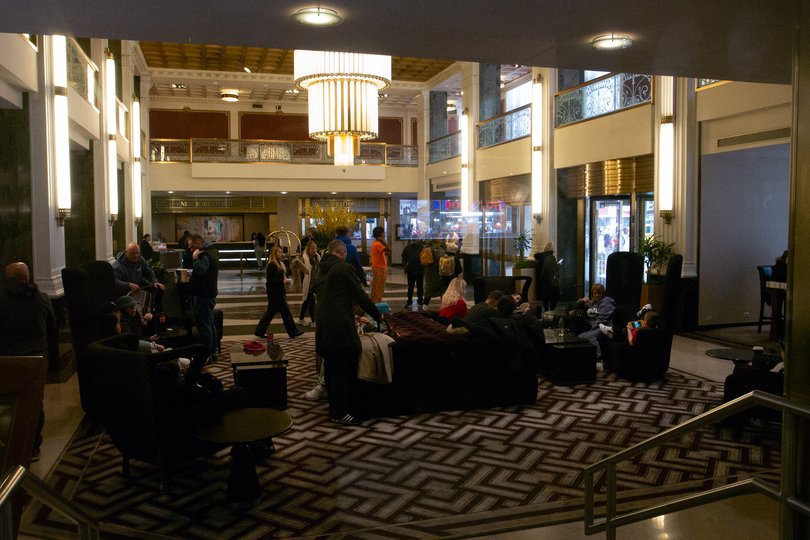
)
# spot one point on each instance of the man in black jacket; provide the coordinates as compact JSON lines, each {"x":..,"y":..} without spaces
{"x":336,"y":338}
{"x":414,"y":271}
{"x":27,"y":324}
{"x":203,"y":289}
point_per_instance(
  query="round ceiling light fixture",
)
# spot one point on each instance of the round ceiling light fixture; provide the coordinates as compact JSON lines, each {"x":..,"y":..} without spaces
{"x":612,"y":42}
{"x":317,"y":16}
{"x":231,"y":95}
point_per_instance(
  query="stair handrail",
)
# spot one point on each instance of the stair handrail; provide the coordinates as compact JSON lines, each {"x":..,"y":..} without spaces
{"x":20,"y":477}
{"x":786,"y":493}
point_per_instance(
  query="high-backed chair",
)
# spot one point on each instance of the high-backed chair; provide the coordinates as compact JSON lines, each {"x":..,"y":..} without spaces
{"x":482,"y":286}
{"x":22,"y":384}
{"x":90,"y":295}
{"x":765,"y":274}
{"x":148,"y":413}
{"x":625,"y":273}
{"x":648,"y":359}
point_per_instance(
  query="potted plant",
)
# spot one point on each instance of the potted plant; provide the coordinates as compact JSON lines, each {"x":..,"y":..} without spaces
{"x":522,"y":242}
{"x":657,"y":254}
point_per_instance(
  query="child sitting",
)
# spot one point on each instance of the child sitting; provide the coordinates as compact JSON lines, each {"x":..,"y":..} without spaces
{"x":650,"y":321}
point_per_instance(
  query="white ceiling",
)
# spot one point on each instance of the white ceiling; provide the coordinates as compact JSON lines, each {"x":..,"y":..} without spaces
{"x":724,"y":39}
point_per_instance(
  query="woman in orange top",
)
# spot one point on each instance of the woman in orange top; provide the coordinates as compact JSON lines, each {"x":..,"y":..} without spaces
{"x":379,"y":265}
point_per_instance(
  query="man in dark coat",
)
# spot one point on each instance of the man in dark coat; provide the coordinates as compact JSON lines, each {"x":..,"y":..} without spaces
{"x":147,"y":252}
{"x":336,"y":338}
{"x":414,"y":271}
{"x":27,"y":324}
{"x":203,"y":289}
{"x":132,"y":271}
{"x":352,"y":257}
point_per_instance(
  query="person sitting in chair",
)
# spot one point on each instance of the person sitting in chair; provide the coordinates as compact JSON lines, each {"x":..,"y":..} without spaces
{"x":650,"y":321}
{"x":599,"y":312}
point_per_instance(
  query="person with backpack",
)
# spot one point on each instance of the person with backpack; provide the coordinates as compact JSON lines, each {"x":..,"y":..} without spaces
{"x":449,"y":264}
{"x":415,"y":271}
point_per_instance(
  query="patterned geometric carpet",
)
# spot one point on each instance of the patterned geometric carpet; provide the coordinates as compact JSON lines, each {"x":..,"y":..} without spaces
{"x":451,"y":474}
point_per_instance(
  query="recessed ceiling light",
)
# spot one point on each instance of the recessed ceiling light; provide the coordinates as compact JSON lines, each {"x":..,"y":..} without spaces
{"x":291,"y":90}
{"x":317,"y":16}
{"x":283,"y":192}
{"x":179,"y":86}
{"x":170,"y":192}
{"x":612,"y":42}
{"x":227,"y":193}
{"x":247,"y":69}
{"x":389,"y":193}
{"x":334,"y":193}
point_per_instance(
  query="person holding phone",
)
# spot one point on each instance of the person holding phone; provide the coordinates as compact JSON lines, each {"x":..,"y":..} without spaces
{"x":650,"y":321}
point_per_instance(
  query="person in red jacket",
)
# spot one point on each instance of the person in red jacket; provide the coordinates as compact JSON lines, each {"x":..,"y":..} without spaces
{"x":453,"y":303}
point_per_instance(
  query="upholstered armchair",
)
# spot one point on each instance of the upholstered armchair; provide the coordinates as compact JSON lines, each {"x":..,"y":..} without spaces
{"x":148,"y":413}
{"x":648,"y":359}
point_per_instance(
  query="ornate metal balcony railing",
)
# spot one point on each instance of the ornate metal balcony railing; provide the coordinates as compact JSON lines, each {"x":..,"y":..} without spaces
{"x":256,"y":151}
{"x":602,"y":96}
{"x":507,"y":127}
{"x":82,"y":73}
{"x":444,"y":147}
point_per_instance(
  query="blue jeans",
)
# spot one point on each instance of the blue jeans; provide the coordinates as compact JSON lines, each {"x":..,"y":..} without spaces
{"x":204,"y":318}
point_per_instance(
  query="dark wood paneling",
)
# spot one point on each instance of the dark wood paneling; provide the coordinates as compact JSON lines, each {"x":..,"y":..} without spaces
{"x":390,"y":131}
{"x":173,"y":124}
{"x":273,"y":126}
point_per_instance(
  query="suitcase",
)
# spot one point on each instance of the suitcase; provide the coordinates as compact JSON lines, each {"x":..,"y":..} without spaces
{"x":263,"y":376}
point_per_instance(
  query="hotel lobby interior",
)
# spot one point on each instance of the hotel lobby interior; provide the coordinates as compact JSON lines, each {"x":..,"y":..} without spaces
{"x":193,"y":113}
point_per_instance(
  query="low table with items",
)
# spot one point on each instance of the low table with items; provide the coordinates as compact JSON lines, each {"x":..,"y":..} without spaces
{"x":239,"y":428}
{"x":567,"y":359}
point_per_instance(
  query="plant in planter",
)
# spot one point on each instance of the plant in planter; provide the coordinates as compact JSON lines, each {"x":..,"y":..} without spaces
{"x":522,"y":242}
{"x":657,"y":254}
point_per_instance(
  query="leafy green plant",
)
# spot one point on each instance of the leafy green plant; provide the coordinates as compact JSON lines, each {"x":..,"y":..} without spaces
{"x":326,"y":220}
{"x":522,"y":242}
{"x":656,"y":253}
{"x":525,"y":263}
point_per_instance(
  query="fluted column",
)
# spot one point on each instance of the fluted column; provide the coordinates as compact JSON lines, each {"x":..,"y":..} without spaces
{"x":48,"y":236}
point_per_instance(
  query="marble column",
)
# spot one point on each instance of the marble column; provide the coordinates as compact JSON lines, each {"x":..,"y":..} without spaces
{"x":438,"y":115}
{"x":489,"y":91}
{"x":15,"y":185}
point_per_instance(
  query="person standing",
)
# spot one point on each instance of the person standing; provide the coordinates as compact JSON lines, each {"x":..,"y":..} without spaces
{"x":434,"y":286}
{"x":548,"y":277}
{"x":336,"y":338}
{"x":352,"y":257}
{"x":147,"y":252}
{"x":27,"y":325}
{"x":414,"y":271}
{"x":203,"y":290}
{"x":277,"y":280}
{"x":379,"y":265}
{"x":309,"y":266}
{"x":257,"y":239}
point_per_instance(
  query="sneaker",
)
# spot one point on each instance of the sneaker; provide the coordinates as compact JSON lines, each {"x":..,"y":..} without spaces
{"x":301,"y":322}
{"x":316,"y":394}
{"x":312,"y":324}
{"x":607,"y":330}
{"x":348,"y":419}
{"x":643,"y":311}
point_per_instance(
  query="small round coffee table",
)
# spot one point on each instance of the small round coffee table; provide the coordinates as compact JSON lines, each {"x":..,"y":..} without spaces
{"x":239,"y":428}
{"x":738,"y":356}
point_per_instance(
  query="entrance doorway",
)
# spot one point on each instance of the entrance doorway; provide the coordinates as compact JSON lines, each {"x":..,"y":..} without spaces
{"x":610,"y":232}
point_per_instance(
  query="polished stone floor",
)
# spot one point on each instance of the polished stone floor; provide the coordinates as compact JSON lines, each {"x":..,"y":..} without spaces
{"x":242,"y":298}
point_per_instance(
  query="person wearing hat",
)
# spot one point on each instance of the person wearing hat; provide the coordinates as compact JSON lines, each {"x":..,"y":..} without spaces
{"x":130,"y":321}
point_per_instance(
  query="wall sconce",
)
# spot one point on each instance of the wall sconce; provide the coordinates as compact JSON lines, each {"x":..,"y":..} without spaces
{"x":137,"y":180}
{"x":666,"y":164}
{"x":537,"y":150}
{"x":61,"y":132}
{"x":111,"y":113}
{"x":466,"y":200}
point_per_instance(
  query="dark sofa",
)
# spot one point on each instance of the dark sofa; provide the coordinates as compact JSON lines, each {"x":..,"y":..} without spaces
{"x":435,"y":370}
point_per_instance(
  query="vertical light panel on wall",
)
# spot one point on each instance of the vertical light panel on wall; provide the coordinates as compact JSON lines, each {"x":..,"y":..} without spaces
{"x":466,"y":200}
{"x":537,"y":149}
{"x":666,"y":150}
{"x":111,"y":112}
{"x":137,"y":181}
{"x":61,"y":133}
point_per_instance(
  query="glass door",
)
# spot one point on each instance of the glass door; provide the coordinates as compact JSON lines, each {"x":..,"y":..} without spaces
{"x":610,"y":232}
